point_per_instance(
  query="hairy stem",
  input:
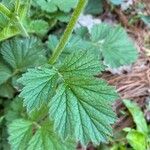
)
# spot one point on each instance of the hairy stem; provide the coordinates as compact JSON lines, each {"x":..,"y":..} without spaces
{"x":67,"y":34}
{"x":17,"y":6}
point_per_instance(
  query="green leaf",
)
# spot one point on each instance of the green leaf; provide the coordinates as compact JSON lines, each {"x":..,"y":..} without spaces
{"x":115,"y":45}
{"x":7,"y":28}
{"x":62,"y":16}
{"x":20,"y":132}
{"x":8,"y":32}
{"x":9,"y":3}
{"x":54,"y":5}
{"x":46,"y":139}
{"x":137,"y":140}
{"x":15,"y":110}
{"x":94,"y":7}
{"x":81,"y":108}
{"x":39,"y":87}
{"x":12,"y":25}
{"x":1,"y":119}
{"x":24,"y":10}
{"x":27,"y":135}
{"x":117,"y":146}
{"x":5,"y":72}
{"x":117,"y":2}
{"x":146,"y":20}
{"x":111,"y":43}
{"x":82,"y":32}
{"x":75,"y":44}
{"x":65,"y":5}
{"x":80,"y":63}
{"x":38,"y":26}
{"x":6,"y":90}
{"x":79,"y":98}
{"x":3,"y":21}
{"x":22,"y":53}
{"x":137,"y":115}
{"x":52,"y":42}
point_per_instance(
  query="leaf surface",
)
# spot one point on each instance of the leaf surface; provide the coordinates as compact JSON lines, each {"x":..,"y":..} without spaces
{"x":94,"y":7}
{"x":46,"y":139}
{"x":23,"y":53}
{"x":39,"y":86}
{"x":80,"y":63}
{"x":5,"y":72}
{"x":6,"y":90}
{"x":12,"y":25}
{"x":38,"y":26}
{"x":75,"y":44}
{"x":116,"y":47}
{"x":81,"y":106}
{"x":137,"y":140}
{"x":137,"y":115}
{"x":117,"y":2}
{"x":20,"y":132}
{"x":28,"y":135}
{"x":54,"y":5}
{"x":15,"y":110}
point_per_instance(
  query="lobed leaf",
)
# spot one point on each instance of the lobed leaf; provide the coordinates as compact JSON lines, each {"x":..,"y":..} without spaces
{"x":20,"y":132}
{"x":54,"y":5}
{"x":15,"y":110}
{"x":28,"y":135}
{"x":5,"y":72}
{"x":46,"y":139}
{"x":107,"y":43}
{"x":115,"y":45}
{"x":22,"y":53}
{"x":38,"y":26}
{"x":82,"y":103}
{"x":39,"y":87}
{"x":81,"y":106}
{"x":75,"y":44}
{"x":80,"y":63}
{"x":94,"y":7}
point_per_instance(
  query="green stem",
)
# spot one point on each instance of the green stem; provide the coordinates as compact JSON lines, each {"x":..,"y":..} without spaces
{"x":21,"y":27}
{"x":36,"y":125}
{"x":17,"y":6}
{"x":25,"y":9}
{"x":67,"y":34}
{"x":5,"y":11}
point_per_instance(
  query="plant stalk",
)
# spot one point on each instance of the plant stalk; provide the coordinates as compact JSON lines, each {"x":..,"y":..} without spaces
{"x":67,"y":34}
{"x":21,"y":27}
{"x":17,"y":6}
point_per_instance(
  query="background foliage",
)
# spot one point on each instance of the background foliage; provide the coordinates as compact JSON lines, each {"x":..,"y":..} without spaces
{"x":54,"y":106}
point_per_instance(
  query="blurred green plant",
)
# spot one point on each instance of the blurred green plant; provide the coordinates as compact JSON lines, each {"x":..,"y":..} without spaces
{"x":138,"y":138}
{"x":135,"y":138}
